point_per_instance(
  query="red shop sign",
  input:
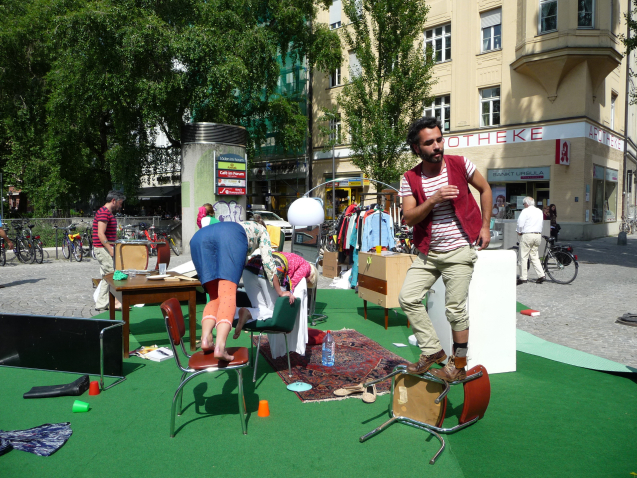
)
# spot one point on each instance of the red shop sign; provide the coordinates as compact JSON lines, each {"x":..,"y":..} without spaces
{"x":224,"y":173}
{"x":231,"y":191}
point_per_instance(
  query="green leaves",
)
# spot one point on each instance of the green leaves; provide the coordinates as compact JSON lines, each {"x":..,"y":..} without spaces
{"x":392,"y":86}
{"x":87,"y":88}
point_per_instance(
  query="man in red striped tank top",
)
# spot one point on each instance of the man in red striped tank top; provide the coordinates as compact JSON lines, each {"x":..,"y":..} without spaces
{"x":447,"y":225}
{"x":105,"y":231}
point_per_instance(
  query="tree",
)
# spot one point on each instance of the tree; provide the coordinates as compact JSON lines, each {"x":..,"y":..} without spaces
{"x":389,"y":87}
{"x":117,"y":73}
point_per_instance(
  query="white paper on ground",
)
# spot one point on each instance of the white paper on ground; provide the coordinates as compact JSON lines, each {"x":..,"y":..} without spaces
{"x":399,"y":345}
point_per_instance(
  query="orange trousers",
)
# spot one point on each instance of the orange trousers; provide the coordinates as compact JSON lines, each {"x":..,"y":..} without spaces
{"x":223,"y":301}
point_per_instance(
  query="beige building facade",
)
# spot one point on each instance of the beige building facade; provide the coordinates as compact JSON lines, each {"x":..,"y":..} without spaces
{"x":534,"y":93}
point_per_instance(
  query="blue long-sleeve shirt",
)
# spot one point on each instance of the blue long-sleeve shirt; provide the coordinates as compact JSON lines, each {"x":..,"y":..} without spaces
{"x":373,"y":232}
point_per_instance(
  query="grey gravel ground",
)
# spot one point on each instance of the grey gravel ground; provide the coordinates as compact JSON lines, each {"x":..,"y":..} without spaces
{"x":580,"y":315}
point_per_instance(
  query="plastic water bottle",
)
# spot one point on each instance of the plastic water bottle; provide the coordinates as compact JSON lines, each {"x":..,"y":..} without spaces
{"x":329,"y":350}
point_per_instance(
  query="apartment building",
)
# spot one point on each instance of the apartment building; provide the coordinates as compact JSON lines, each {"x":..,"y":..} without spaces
{"x":534,"y":93}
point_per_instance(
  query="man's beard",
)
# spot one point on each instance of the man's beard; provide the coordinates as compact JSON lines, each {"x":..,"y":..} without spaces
{"x":431,"y":158}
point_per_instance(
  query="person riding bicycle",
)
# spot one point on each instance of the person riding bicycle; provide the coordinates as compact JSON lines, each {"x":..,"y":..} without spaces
{"x":105,"y":231}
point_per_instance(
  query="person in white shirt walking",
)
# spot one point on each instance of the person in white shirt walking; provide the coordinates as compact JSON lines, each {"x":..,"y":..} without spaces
{"x":530,"y":230}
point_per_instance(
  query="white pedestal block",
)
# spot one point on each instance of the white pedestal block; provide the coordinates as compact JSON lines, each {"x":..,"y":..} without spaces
{"x":492,"y":312}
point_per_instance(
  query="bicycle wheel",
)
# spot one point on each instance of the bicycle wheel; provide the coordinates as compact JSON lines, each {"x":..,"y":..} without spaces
{"x":3,"y":254}
{"x":173,"y":246}
{"x":38,"y":251}
{"x":24,"y":251}
{"x":92,"y":251}
{"x":77,"y":250}
{"x":561,"y":266}
{"x":66,"y":248}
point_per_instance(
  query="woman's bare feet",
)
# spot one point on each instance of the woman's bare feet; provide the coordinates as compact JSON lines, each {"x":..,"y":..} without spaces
{"x":222,"y":354}
{"x":244,"y":316}
{"x":207,"y":343}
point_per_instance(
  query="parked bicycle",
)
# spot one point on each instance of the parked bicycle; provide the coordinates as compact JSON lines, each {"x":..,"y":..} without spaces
{"x":405,"y":242}
{"x":71,"y":242}
{"x":35,"y":243}
{"x":21,"y":247}
{"x":328,"y":236}
{"x":148,"y":233}
{"x":3,"y":252}
{"x":86,"y":240}
{"x":163,"y":234}
{"x":558,"y":261}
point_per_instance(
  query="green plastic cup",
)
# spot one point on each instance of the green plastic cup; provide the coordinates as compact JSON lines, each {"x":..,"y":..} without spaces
{"x":80,"y":407}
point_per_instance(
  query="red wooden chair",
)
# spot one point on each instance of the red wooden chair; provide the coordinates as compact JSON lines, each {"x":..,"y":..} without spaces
{"x":199,"y":363}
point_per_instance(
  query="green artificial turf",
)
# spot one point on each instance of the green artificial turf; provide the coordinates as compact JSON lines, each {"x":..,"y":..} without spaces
{"x":546,"y":419}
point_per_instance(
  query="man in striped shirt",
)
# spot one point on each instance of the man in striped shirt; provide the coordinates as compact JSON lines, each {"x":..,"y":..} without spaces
{"x":447,"y":224}
{"x":105,"y":231}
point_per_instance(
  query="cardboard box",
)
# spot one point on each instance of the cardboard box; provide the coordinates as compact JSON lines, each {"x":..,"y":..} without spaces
{"x":330,"y":264}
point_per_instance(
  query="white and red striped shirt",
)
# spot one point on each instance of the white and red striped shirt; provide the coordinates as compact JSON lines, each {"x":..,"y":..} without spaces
{"x":446,"y":231}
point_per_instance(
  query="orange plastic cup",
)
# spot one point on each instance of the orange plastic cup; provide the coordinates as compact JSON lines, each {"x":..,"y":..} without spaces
{"x":94,"y":388}
{"x":264,"y":408}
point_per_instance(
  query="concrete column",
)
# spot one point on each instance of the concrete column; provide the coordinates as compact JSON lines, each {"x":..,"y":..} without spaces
{"x":202,"y":143}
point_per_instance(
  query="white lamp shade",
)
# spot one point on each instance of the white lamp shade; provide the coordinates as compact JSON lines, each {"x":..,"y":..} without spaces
{"x":306,"y":212}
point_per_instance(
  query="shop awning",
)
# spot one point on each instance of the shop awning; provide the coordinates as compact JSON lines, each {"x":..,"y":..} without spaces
{"x":158,"y":192}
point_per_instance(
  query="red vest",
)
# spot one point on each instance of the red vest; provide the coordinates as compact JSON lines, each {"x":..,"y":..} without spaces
{"x":465,"y":205}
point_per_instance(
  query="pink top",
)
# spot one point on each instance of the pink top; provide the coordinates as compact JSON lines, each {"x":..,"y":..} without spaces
{"x":298,"y":268}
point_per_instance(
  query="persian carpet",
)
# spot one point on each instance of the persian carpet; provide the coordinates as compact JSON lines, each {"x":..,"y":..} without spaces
{"x":358,"y":359}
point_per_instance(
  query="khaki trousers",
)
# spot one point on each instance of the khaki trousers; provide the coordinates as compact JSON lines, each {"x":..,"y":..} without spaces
{"x":456,"y":269}
{"x":106,"y":267}
{"x":528,"y":247}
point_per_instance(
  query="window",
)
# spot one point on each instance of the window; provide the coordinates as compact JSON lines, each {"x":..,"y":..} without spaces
{"x":490,"y":106}
{"x":354,"y":66}
{"x":335,"y":129}
{"x":441,"y":109}
{"x":585,"y":13}
{"x":335,"y":14}
{"x":613,"y":98}
{"x":548,"y":16}
{"x":604,"y":194}
{"x":438,"y":42}
{"x":335,"y":78}
{"x":491,"y":24}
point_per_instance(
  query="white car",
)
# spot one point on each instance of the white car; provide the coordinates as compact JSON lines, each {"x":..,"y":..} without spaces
{"x":272,"y":219}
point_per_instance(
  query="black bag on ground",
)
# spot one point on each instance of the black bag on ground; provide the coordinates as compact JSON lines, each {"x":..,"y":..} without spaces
{"x":72,"y":389}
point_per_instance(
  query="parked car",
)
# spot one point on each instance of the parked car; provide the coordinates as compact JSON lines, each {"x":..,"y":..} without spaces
{"x":272,"y":219}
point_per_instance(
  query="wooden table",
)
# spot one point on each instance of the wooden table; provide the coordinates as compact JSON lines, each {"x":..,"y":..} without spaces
{"x":140,"y":290}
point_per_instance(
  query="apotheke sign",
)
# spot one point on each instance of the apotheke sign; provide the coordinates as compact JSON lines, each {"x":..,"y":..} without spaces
{"x":582,"y":129}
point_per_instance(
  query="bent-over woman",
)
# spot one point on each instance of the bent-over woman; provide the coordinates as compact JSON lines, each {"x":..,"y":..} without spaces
{"x":219,"y":253}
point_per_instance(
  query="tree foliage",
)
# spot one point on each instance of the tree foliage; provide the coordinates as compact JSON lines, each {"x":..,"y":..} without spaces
{"x":86,"y":88}
{"x":391,"y":88}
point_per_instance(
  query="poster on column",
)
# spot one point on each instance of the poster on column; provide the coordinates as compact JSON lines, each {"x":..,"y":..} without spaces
{"x":230,"y":175}
{"x":562,"y":152}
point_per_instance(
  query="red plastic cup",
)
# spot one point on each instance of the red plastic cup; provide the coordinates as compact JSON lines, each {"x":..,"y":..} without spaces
{"x":94,"y":388}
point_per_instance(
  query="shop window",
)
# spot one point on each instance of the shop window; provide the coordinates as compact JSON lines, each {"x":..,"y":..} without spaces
{"x":335,"y":78}
{"x":547,"y":19}
{"x":585,"y":13}
{"x":441,"y":109}
{"x":335,"y":14}
{"x":491,"y":24}
{"x":335,"y":129}
{"x":438,"y":43}
{"x":604,"y":194}
{"x":490,"y":106}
